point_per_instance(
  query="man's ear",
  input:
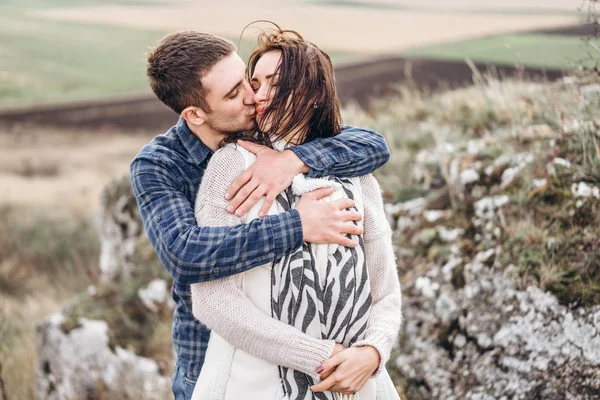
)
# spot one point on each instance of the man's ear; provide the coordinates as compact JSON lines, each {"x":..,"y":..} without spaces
{"x":194,"y":115}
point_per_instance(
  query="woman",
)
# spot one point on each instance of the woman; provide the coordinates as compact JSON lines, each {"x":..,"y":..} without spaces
{"x":323,"y":309}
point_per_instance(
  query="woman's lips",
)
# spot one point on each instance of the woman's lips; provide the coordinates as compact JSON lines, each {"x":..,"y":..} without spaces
{"x":260,"y":110}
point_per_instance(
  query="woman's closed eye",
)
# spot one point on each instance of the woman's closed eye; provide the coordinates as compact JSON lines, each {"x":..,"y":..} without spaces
{"x":256,"y":88}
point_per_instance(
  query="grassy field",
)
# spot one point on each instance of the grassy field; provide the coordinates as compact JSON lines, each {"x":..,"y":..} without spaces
{"x":42,"y":60}
{"x":546,"y":51}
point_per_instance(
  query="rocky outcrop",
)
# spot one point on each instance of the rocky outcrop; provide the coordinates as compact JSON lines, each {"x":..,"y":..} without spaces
{"x":120,"y":226}
{"x":81,"y":363}
{"x":496,"y":237}
{"x":102,"y":345}
{"x":485,"y":309}
{"x":490,"y":340}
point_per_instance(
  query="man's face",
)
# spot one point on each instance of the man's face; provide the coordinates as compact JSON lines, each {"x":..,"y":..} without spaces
{"x":229,"y":96}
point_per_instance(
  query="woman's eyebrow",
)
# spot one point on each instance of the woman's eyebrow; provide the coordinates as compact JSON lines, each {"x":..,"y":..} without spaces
{"x":266,"y":77}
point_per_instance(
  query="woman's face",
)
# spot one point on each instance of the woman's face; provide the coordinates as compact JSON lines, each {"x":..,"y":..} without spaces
{"x":264,"y":83}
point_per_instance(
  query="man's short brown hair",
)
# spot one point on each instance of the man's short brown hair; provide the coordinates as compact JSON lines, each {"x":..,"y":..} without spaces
{"x":179,"y":62}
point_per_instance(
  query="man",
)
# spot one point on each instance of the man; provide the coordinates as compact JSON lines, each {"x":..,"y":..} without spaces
{"x":201,"y":78}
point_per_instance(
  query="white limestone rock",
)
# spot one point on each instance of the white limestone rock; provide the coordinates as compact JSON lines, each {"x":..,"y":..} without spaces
{"x":120,"y":226}
{"x":582,"y":189}
{"x":156,"y":294}
{"x":82,"y":363}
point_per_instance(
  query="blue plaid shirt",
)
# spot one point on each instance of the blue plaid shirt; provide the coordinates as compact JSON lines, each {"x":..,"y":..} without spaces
{"x":165,"y":176}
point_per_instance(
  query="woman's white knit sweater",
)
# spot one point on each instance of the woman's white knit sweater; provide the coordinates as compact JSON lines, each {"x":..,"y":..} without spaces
{"x":222,"y":306}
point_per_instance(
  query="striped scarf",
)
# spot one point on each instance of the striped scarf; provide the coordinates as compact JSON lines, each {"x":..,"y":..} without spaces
{"x":322,"y":290}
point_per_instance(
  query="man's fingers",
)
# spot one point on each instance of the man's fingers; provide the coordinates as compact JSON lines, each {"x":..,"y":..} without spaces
{"x":343,"y":204}
{"x":242,"y":195}
{"x":238,"y":183}
{"x":267,"y":205}
{"x":251,"y":200}
{"x":349,"y":228}
{"x":320,"y":193}
{"x":343,"y":241}
{"x":350,"y":215}
{"x":251,"y":147}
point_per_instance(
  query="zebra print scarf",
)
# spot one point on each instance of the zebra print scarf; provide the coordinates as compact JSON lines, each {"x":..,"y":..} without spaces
{"x":322,"y":290}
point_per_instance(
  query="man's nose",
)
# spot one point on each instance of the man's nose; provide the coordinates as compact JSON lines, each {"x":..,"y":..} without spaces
{"x":248,"y":95}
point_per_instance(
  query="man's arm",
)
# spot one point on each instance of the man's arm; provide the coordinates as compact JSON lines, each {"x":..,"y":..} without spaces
{"x":354,"y":152}
{"x":194,"y":254}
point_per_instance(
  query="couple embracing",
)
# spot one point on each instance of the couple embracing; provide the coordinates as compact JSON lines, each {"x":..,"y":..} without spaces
{"x":261,"y":206}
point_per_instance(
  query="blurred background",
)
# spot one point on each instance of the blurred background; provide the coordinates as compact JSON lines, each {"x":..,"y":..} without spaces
{"x":490,"y":109}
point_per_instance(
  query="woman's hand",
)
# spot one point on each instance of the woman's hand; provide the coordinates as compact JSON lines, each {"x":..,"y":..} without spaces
{"x":351,"y":370}
{"x":336,"y":350}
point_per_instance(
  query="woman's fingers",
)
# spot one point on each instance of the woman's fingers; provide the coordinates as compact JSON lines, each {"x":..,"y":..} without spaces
{"x":351,"y":374}
{"x":326,"y":375}
{"x":331,"y":363}
{"x":328,"y":368}
{"x":324,"y":385}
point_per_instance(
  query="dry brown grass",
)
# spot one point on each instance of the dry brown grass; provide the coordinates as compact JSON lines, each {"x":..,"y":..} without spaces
{"x":63,"y":171}
{"x":44,"y":261}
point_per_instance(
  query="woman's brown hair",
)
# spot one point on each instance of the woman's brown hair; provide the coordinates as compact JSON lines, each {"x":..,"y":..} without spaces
{"x":305,"y":98}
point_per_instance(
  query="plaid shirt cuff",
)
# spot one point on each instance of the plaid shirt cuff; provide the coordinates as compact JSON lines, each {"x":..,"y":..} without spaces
{"x":286,"y":231}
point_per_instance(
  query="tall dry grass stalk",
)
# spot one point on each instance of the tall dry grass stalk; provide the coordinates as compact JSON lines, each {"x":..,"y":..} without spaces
{"x":592,"y":17}
{"x":2,"y":385}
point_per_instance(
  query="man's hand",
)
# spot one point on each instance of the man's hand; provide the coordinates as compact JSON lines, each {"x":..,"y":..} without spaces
{"x":353,"y":368}
{"x":270,"y":175}
{"x":328,"y":222}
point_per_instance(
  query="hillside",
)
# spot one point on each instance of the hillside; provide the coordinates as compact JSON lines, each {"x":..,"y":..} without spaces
{"x":494,"y":196}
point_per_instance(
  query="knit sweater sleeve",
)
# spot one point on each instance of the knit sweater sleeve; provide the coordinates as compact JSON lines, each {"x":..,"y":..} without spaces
{"x":386,"y":315}
{"x":222,"y":305}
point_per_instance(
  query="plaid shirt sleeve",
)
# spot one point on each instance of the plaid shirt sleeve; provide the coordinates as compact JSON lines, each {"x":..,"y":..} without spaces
{"x":195,"y":254}
{"x":354,"y":152}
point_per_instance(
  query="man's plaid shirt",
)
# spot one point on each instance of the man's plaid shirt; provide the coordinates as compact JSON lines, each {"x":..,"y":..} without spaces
{"x":165,"y":176}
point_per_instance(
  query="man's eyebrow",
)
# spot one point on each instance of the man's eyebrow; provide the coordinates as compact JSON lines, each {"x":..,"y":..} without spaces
{"x":266,"y":77}
{"x":235,"y":87}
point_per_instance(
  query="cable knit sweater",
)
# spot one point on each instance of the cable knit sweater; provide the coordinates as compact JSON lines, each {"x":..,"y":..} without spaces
{"x":222,"y":306}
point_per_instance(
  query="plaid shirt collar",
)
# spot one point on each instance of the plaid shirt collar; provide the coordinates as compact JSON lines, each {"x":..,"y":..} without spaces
{"x":197,"y":150}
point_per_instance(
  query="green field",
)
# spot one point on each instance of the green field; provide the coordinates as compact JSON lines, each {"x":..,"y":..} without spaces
{"x":44,"y":61}
{"x":546,"y":51}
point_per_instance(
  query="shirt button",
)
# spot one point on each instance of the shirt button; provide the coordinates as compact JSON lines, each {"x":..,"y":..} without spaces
{"x":157,"y":219}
